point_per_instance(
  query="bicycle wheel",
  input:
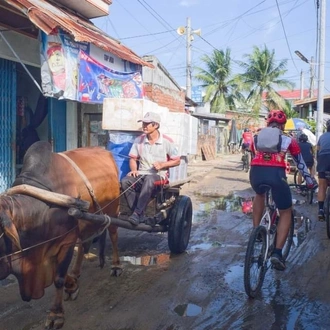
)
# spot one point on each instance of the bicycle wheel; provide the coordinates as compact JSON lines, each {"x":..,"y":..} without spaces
{"x":254,"y":265}
{"x":287,"y":246}
{"x":247,"y":162}
{"x":327,"y":211}
{"x":244,"y":161}
{"x":295,"y":178}
{"x":309,"y":196}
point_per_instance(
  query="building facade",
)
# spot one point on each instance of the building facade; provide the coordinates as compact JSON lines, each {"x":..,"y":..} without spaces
{"x":29,"y":112}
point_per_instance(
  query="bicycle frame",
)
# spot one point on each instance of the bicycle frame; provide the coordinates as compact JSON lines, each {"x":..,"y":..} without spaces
{"x":268,"y":220}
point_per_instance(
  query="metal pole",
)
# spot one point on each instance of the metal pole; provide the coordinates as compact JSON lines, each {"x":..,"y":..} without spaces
{"x":320,"y":96}
{"x":301,"y":85}
{"x":188,"y":78}
{"x":311,"y":87}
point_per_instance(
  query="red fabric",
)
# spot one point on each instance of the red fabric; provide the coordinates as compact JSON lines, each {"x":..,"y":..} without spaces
{"x":275,"y":159}
{"x":161,"y":182}
{"x":247,"y":137}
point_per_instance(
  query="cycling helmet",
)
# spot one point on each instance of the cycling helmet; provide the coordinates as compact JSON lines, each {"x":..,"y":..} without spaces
{"x":276,"y":116}
{"x":303,"y":138}
{"x":246,"y":130}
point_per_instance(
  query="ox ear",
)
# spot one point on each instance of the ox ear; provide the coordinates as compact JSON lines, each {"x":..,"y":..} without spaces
{"x":10,"y":230}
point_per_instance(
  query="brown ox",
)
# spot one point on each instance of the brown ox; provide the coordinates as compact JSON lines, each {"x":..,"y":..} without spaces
{"x":37,"y":238}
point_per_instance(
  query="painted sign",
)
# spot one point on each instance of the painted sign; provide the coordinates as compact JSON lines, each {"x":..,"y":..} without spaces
{"x":59,"y":64}
{"x":68,"y":71}
{"x":97,"y":82}
{"x":197,"y":94}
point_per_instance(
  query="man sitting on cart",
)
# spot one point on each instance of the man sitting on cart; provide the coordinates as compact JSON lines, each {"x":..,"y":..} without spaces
{"x":151,"y":155}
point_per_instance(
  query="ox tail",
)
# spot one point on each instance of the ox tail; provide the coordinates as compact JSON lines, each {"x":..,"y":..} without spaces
{"x":102,"y":240}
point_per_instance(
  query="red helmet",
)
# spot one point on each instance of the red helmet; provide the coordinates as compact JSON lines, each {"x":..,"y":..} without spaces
{"x":276,"y":116}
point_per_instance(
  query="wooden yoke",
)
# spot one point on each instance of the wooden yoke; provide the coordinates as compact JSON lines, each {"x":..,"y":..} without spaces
{"x":48,"y":196}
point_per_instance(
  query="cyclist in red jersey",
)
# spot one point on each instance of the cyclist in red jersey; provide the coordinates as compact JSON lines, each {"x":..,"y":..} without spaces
{"x":246,"y":140}
{"x":269,"y":169}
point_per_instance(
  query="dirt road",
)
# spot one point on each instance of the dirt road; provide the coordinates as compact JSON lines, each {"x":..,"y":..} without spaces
{"x":201,"y":289}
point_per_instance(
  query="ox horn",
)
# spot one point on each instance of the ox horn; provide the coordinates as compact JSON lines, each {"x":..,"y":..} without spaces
{"x":10,"y":230}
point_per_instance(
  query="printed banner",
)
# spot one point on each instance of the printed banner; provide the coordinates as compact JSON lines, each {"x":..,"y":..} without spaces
{"x":69,"y":72}
{"x":59,"y":64}
{"x":97,"y":82}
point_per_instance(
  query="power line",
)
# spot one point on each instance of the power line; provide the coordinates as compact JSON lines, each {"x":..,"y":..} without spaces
{"x":286,"y":38}
{"x":146,"y":35}
{"x":247,"y":13}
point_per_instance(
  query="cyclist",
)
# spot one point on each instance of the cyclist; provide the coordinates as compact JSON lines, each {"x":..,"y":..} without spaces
{"x":306,"y":149}
{"x":268,"y":168}
{"x":323,"y":165}
{"x":246,"y":140}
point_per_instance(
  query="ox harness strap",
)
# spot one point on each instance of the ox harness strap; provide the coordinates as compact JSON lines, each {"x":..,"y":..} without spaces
{"x":86,"y":181}
{"x":35,"y":245}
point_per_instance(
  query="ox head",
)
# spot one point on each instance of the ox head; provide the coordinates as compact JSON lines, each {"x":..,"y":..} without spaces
{"x":8,"y":228}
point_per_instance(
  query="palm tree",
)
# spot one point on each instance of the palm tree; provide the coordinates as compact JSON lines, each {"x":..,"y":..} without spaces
{"x":262,"y":75}
{"x":221,"y":89}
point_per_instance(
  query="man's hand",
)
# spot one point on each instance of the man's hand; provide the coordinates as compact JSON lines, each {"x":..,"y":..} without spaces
{"x":133,"y":173}
{"x":157,"y":165}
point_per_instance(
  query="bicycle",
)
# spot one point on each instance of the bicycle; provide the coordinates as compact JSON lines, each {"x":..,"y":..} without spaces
{"x":295,"y":178}
{"x":261,"y":244}
{"x":246,"y":160}
{"x":303,"y":189}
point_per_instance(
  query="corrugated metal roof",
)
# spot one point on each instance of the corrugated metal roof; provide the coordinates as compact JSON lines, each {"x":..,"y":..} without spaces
{"x":47,"y":17}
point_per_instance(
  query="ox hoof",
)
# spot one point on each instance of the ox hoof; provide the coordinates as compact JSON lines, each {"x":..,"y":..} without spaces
{"x":54,"y":322}
{"x":70,"y":296}
{"x":116,"y":271}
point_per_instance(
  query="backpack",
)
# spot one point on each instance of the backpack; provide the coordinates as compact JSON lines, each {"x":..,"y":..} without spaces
{"x":269,"y":139}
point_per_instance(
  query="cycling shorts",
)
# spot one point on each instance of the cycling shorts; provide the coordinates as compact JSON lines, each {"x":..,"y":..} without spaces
{"x":323,"y":165}
{"x":275,"y":178}
{"x":245,"y":146}
{"x":310,"y":164}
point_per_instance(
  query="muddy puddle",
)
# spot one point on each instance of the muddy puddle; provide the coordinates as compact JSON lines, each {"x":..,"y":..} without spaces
{"x":147,"y":260}
{"x":230,"y":203}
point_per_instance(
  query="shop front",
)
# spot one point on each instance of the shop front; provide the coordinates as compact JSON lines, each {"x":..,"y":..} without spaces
{"x":54,"y":66}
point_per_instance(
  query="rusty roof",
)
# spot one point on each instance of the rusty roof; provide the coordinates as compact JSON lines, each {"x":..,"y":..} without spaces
{"x":47,"y":17}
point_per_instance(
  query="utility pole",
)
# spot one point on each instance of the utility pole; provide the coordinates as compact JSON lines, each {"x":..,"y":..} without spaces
{"x":188,"y":73}
{"x":301,"y":85}
{"x":311,"y":86}
{"x":189,"y":38}
{"x":320,"y":96}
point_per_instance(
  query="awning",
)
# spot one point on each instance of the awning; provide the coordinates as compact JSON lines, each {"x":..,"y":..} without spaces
{"x":48,"y":17}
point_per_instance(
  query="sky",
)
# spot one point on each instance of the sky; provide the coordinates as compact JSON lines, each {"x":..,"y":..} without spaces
{"x":148,"y":27}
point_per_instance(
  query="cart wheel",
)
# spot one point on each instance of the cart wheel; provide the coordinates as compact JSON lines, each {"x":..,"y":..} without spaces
{"x":180,"y":220}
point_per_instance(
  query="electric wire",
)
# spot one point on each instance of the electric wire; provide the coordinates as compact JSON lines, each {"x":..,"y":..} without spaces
{"x":286,"y":38}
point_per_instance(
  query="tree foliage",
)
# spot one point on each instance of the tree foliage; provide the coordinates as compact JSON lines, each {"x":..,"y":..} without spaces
{"x":221,"y":88}
{"x":262,"y":75}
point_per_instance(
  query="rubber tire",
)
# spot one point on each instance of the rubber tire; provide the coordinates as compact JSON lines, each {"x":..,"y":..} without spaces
{"x":244,"y":162}
{"x":327,"y":211}
{"x":295,"y":178}
{"x":287,"y":246}
{"x":247,"y":162}
{"x":253,"y":290}
{"x":180,"y":222}
{"x":309,"y":196}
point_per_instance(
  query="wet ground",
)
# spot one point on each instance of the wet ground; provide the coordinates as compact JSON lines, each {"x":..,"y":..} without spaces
{"x":203,"y":288}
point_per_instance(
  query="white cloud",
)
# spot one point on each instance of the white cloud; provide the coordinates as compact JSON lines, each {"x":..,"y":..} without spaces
{"x":188,"y":3}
